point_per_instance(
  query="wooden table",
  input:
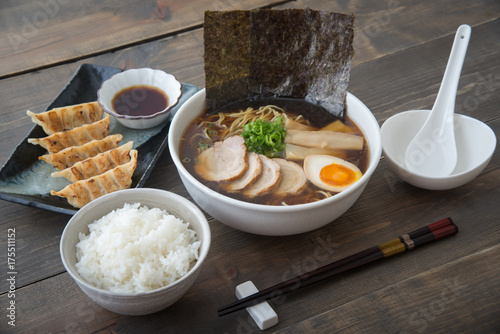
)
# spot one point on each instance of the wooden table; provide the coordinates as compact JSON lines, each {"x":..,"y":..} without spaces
{"x":401,"y":51}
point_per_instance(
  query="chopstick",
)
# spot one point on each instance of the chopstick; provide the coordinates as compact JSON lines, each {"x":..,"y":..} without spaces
{"x":408,"y":241}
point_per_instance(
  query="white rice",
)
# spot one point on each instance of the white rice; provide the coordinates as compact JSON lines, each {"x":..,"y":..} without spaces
{"x":136,"y":249}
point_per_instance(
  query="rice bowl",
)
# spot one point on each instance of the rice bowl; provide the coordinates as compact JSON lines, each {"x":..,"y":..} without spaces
{"x":145,"y":302}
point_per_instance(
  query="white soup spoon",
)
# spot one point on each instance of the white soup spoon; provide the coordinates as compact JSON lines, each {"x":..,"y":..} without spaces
{"x":433,"y":151}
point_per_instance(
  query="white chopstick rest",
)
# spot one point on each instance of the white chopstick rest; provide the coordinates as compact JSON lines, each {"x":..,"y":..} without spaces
{"x":263,"y":314}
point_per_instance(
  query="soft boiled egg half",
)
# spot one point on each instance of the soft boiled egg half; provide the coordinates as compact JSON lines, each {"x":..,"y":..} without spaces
{"x":331,"y":173}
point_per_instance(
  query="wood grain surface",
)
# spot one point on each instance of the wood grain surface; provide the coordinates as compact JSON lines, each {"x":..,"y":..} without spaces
{"x":401,"y":50}
{"x":53,"y":32}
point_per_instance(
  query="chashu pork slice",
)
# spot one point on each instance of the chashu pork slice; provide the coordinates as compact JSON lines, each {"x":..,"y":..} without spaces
{"x":293,"y":178}
{"x":267,"y":181}
{"x":225,"y":161}
{"x":253,"y":172}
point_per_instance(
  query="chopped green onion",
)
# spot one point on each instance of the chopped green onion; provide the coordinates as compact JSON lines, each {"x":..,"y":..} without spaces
{"x":264,"y":137}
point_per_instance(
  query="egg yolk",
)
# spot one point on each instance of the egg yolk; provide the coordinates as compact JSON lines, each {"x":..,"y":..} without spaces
{"x":337,"y":175}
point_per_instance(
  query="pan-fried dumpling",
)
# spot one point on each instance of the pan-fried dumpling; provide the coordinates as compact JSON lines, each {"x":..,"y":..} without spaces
{"x":71,"y":155}
{"x":67,"y":118}
{"x":82,"y":192}
{"x":74,"y":137}
{"x":98,"y":164}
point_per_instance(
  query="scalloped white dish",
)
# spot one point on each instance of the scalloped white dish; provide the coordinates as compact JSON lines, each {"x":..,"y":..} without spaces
{"x":165,"y":83}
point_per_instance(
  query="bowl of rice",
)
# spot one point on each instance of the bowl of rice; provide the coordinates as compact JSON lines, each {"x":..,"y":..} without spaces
{"x":136,"y":251}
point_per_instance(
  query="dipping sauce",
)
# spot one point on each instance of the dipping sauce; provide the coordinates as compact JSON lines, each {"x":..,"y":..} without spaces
{"x":141,"y":100}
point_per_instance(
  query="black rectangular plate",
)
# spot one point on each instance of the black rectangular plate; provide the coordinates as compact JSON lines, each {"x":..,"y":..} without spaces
{"x":81,"y":88}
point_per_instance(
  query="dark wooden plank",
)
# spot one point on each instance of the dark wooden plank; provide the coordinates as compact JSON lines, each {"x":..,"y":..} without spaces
{"x":39,"y":34}
{"x":453,"y":298}
{"x":384,"y":27}
{"x":425,"y":64}
{"x":37,"y":235}
{"x":43,"y":33}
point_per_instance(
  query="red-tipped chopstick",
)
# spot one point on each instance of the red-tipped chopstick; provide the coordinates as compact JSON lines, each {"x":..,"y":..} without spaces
{"x":409,"y":241}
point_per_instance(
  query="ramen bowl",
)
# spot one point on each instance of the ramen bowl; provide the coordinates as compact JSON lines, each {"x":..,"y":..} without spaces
{"x":269,"y":219}
{"x":475,"y":142}
{"x":151,"y":86}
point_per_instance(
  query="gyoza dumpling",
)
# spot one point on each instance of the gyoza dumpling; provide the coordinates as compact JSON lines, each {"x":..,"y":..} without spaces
{"x":74,"y":137}
{"x":71,"y":155}
{"x":97,"y":164}
{"x":82,"y":192}
{"x":67,"y":118}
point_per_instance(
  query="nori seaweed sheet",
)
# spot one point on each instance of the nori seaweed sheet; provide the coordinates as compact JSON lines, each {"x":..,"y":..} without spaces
{"x":298,"y":53}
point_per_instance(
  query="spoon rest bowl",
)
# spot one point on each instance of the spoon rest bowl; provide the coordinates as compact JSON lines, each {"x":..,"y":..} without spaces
{"x":475,"y":142}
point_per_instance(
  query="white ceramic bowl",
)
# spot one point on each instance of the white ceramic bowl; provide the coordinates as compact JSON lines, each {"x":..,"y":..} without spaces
{"x":267,"y":219}
{"x":475,"y":141}
{"x":145,"y":302}
{"x":135,"y":77}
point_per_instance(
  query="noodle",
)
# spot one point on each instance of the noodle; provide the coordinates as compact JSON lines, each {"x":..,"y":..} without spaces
{"x":324,"y":193}
{"x":239,"y":119}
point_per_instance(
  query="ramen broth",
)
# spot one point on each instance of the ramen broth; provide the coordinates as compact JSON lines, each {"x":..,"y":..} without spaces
{"x":194,"y":141}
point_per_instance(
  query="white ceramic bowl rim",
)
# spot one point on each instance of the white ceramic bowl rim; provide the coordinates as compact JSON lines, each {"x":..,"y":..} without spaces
{"x":172,"y":104}
{"x":438,"y":178}
{"x":198,"y":263}
{"x":375,"y":151}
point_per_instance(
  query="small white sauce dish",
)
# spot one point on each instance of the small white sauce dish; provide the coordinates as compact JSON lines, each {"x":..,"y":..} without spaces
{"x":139,"y":303}
{"x":475,"y":142}
{"x":158,"y":79}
